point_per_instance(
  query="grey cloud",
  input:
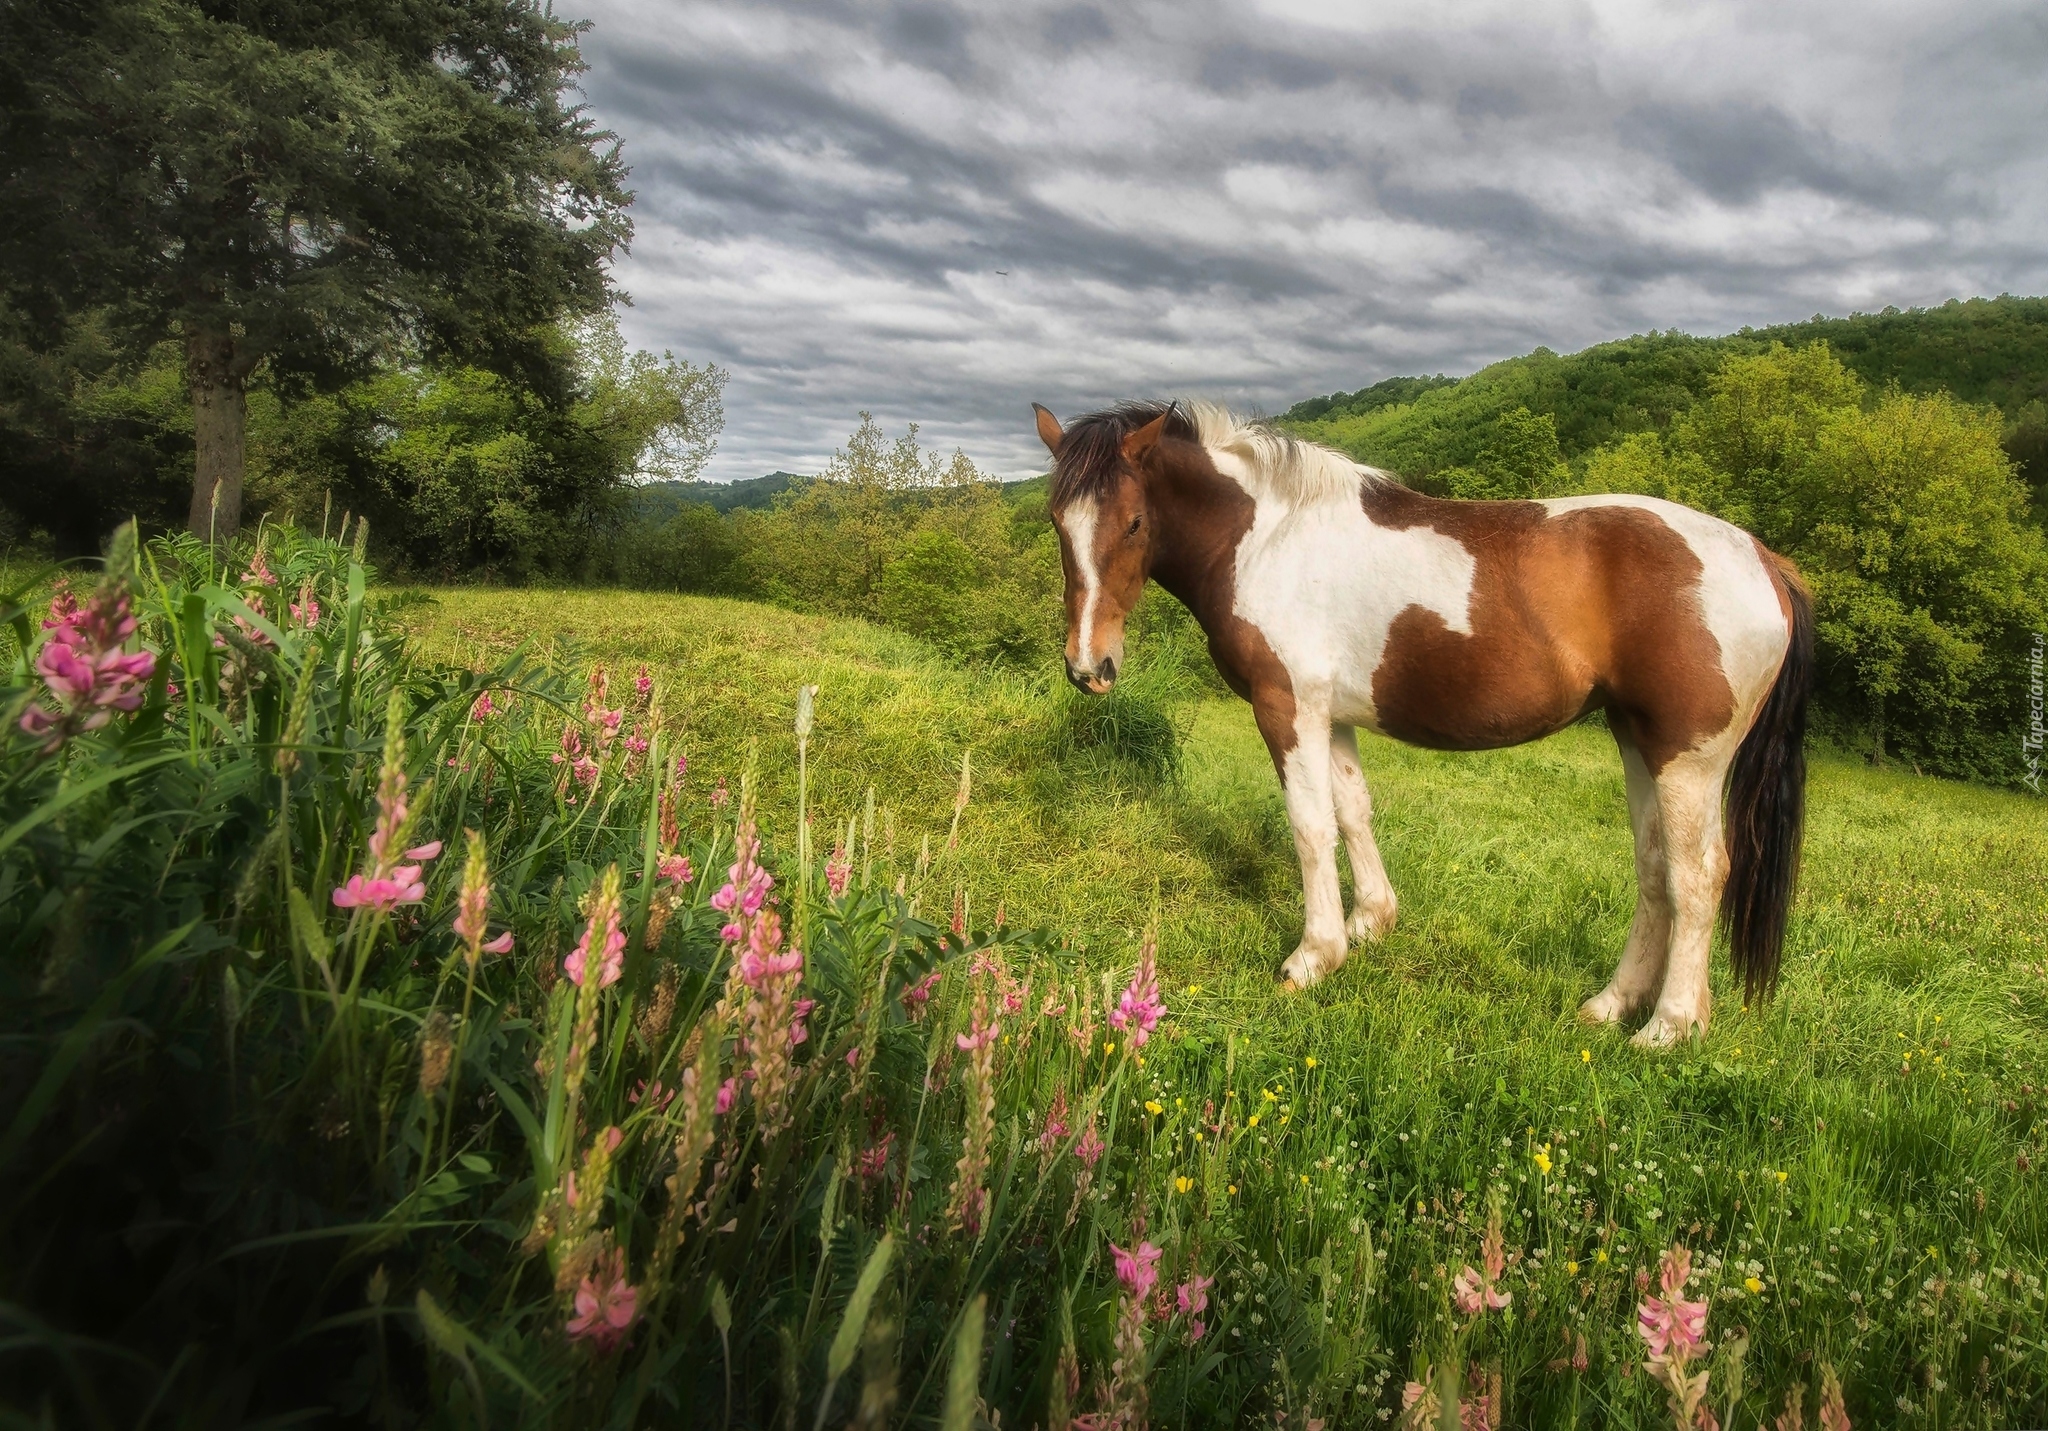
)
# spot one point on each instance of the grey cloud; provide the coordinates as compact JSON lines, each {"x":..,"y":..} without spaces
{"x":941,"y":212}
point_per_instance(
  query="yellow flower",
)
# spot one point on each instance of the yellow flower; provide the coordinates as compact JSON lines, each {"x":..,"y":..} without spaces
{"x":1585,"y":1055}
{"x":1109,"y":1048}
{"x":1780,"y":1177}
{"x":1183,"y":1184}
{"x":1310,"y":1062}
{"x":1541,"y":1158}
{"x":1141,"y":1060}
{"x":1180,"y":1103}
{"x":1571,"y":1269}
{"x":1233,"y":1189}
{"x":1284,"y":1117}
{"x":1194,"y":988}
{"x":1153,"y":1106}
{"x":1601,"y":1255}
{"x":1304,"y":1179}
{"x":1755,"y":1287}
{"x":1252,"y":1122}
{"x":1270,"y":1095}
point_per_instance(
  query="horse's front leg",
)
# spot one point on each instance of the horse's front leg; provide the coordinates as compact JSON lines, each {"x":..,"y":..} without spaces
{"x":1299,"y":740}
{"x":1373,"y":906}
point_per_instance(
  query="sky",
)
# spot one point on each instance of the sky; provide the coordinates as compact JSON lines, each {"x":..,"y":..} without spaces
{"x":942,"y":213}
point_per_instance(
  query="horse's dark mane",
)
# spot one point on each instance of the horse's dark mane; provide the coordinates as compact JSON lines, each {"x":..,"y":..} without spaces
{"x":1093,"y":446}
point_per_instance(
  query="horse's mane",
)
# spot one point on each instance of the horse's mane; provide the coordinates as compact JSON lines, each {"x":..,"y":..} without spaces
{"x":1278,"y":467}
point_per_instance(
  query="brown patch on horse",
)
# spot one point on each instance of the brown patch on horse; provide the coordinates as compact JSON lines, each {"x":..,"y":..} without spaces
{"x":1558,"y":628}
{"x":1202,"y":516}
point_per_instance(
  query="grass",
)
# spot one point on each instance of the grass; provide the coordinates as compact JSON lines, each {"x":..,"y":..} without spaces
{"x":1865,"y":1147}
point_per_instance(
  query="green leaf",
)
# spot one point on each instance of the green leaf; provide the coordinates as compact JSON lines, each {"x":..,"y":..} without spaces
{"x":963,"y":1377}
{"x":847,"y":1340}
{"x":72,"y":794}
{"x":457,"y":1340}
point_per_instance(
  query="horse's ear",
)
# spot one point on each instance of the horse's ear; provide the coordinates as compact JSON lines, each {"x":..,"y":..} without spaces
{"x":1048,"y":429}
{"x":1144,"y":439}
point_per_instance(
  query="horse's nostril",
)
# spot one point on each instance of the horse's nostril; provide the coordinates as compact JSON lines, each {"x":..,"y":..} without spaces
{"x":1107,"y":670}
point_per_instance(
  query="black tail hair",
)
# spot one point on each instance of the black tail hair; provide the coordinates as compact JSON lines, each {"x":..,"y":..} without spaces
{"x":1767,"y":808}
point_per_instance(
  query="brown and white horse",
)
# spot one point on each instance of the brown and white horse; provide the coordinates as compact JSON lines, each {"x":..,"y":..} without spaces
{"x":1334,"y":597}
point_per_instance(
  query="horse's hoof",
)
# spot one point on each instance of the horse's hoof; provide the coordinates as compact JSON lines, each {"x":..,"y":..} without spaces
{"x":1605,"y":1007}
{"x":1663,"y":1031}
{"x":1368,"y":926}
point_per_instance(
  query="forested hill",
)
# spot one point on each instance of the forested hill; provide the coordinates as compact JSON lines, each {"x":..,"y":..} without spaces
{"x":1984,"y":351}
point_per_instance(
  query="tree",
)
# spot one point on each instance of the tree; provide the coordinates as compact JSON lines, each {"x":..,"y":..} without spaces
{"x":310,"y":184}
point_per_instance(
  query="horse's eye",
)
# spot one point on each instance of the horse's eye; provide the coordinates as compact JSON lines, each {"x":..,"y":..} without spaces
{"x":1134,"y":526}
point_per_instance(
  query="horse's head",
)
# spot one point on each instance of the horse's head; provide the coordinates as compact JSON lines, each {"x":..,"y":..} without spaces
{"x":1100,"y":509}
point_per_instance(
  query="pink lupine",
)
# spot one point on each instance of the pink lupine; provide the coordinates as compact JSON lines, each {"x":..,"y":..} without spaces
{"x":728,"y":1091}
{"x":1090,"y":1148}
{"x":720,"y":796}
{"x":1192,"y":1297}
{"x":798,"y":1033}
{"x":501,"y":945}
{"x":1674,"y":1330}
{"x":1476,"y":1290}
{"x":84,"y":666}
{"x":871,"y":1162}
{"x":585,"y":770}
{"x":1138,"y":1011}
{"x":980,"y":1036}
{"x":838,"y":871}
{"x":606,"y":1304}
{"x":774,"y":1027}
{"x":430,"y":850}
{"x":653,"y":1093}
{"x":1137,"y":1268}
{"x":605,"y":939}
{"x":1055,"y":1130}
{"x":917,"y":996}
{"x":977,"y":1072}
{"x":675,"y":869}
{"x":636,"y":743}
{"x":306,"y":610}
{"x":643,"y":685}
{"x":473,"y":905}
{"x":401,"y":886}
{"x":483,"y":707}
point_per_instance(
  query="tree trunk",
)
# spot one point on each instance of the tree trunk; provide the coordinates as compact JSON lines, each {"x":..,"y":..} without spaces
{"x":218,"y":379}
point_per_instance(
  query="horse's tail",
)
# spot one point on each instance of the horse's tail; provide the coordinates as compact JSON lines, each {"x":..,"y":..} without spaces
{"x":1767,"y":805}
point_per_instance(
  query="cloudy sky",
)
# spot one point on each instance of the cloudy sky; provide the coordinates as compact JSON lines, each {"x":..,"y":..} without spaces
{"x":943,"y":212}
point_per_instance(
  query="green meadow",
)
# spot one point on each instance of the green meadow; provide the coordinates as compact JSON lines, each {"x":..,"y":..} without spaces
{"x":1855,"y":1164}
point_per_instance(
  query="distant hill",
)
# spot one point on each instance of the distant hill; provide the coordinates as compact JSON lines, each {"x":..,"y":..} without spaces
{"x":1985,"y":350}
{"x":658,"y":501}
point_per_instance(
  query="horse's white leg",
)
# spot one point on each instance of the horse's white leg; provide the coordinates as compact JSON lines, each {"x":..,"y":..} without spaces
{"x":1696,"y":864}
{"x":1373,"y":905}
{"x":1311,"y":810}
{"x":1640,"y":973}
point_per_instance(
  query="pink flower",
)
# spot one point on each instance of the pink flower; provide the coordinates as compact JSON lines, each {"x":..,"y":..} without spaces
{"x":720,"y":796}
{"x":1192,"y":1296}
{"x":1139,"y":1010}
{"x":979,"y":1036}
{"x":1091,"y":1147}
{"x":473,"y":905}
{"x":654,"y":1093}
{"x":382,"y":895}
{"x":605,"y":1305}
{"x":727,"y":1092}
{"x":84,"y":666}
{"x":483,"y":708}
{"x":585,"y":770}
{"x":838,"y":871}
{"x":682,"y":766}
{"x":636,"y":743}
{"x":610,"y":943}
{"x":1137,"y":1269}
{"x":746,"y":899}
{"x":916,"y":996}
{"x":1055,"y":1123}
{"x":800,"y":1011}
{"x":306,"y":610}
{"x":675,"y":869}
{"x":1474,"y":1295}
{"x":853,"y":1057}
{"x":1673,"y":1328}
{"x":873,"y":1161}
{"x":501,"y":945}
{"x":428,"y":851}
{"x":643,"y":684}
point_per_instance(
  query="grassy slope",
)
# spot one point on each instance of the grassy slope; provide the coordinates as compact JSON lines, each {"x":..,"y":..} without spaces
{"x":1893,"y":1082}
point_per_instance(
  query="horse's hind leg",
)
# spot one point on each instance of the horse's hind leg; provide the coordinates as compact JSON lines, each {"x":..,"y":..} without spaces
{"x":1373,"y":905}
{"x":1696,"y":866}
{"x":1640,"y":973}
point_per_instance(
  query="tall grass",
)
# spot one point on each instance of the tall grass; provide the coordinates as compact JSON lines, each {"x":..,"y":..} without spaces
{"x":843,"y":1142}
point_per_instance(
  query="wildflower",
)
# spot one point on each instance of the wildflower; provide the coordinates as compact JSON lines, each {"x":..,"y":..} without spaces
{"x":1541,"y":1158}
{"x":871,"y":1162}
{"x":1476,"y":1290}
{"x":1192,"y":1297}
{"x":483,"y":707}
{"x":1183,"y":1184}
{"x":1674,"y":1330}
{"x":774,"y":1015}
{"x":1055,"y":1129}
{"x":1137,"y":1268}
{"x":1252,"y":1122}
{"x":720,"y":797}
{"x":604,"y":938}
{"x":636,"y":743}
{"x":1137,"y":1012}
{"x":643,"y":685}
{"x":430,"y":850}
{"x":306,"y":610}
{"x":402,"y":886}
{"x":1585,"y":1055}
{"x":1753,"y":1285}
{"x":501,"y":945}
{"x":655,"y":1095}
{"x":388,"y":884}
{"x":1091,"y":1147}
{"x":1152,"y":1106}
{"x":727,"y":1092}
{"x":84,"y":666}
{"x":606,"y":1304}
{"x":675,"y":869}
{"x":916,"y":996}
{"x":1309,"y":1062}
{"x":838,"y":871}
{"x":977,"y":1072}
{"x":473,"y":905}
{"x":1834,"y":1416}
{"x":585,"y":770}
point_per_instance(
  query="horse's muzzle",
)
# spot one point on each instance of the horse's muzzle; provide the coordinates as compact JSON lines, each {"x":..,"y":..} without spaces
{"x":1096,"y":682}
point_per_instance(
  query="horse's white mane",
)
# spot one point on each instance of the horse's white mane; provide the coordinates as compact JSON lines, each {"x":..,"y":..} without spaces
{"x":1281,"y":468}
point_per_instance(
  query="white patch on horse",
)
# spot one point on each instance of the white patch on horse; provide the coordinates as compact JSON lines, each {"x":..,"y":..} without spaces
{"x":1324,"y":585}
{"x":1078,"y":518}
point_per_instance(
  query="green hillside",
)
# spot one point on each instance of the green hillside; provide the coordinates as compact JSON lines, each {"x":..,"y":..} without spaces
{"x":1985,"y":351}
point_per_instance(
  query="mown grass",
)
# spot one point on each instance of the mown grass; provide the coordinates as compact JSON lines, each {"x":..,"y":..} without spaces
{"x":1865,"y":1146}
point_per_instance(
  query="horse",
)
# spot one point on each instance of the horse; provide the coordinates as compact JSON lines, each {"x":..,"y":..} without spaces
{"x":1335,"y":597}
